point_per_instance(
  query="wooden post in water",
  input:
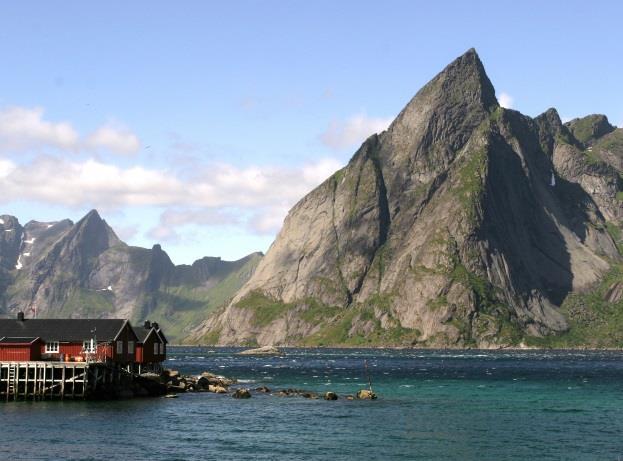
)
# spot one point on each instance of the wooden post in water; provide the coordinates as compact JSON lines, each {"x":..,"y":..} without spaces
{"x":365,"y":364}
{"x":63,"y":382}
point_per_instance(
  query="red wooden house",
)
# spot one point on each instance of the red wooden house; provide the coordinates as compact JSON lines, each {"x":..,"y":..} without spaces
{"x":19,"y":349}
{"x":106,"y":340}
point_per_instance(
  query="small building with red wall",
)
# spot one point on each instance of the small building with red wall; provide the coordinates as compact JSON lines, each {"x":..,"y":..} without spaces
{"x":104,"y":340}
{"x":20,"y":349}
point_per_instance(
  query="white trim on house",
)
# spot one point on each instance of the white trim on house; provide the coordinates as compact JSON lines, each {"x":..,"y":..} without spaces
{"x":52,"y":347}
{"x":89,"y":346}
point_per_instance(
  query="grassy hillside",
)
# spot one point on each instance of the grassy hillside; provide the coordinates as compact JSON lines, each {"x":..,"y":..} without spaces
{"x":594,"y":322}
{"x":180,"y":308}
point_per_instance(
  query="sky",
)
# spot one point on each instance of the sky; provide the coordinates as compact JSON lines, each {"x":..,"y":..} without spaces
{"x":199,"y":124}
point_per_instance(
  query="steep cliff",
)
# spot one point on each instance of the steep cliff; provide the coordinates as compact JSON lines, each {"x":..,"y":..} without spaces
{"x":463,"y":224}
{"x":61,"y":270}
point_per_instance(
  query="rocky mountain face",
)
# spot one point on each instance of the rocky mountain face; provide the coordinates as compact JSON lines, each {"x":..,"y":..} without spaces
{"x":67,"y":270}
{"x":463,"y":224}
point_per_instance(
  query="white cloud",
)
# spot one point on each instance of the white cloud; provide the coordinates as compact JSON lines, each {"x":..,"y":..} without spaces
{"x":172,"y":219}
{"x":126,"y":232}
{"x":24,"y":128}
{"x":353,"y":131}
{"x":315,"y":173}
{"x":6,"y":168}
{"x":506,"y":100}
{"x":257,"y":197}
{"x":163,"y":233}
{"x":269,"y":220}
{"x":116,"y":139}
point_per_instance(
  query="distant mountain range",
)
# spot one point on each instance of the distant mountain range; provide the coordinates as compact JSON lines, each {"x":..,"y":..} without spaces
{"x":66,"y":270}
{"x":464,"y":224}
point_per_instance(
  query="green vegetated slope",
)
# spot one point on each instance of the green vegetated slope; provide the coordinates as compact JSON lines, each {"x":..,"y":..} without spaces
{"x":180,"y":308}
{"x":595,"y":317}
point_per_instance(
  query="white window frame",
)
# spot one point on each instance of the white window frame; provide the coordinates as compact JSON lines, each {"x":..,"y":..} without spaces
{"x":119,"y":347}
{"x":52,"y":347}
{"x":86,"y":346}
{"x":131,"y":347}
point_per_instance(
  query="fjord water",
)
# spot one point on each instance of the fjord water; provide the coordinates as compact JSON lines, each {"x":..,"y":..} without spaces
{"x":467,"y":405}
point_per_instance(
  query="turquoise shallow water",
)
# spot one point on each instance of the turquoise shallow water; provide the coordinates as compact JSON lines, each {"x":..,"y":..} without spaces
{"x":464,"y":405}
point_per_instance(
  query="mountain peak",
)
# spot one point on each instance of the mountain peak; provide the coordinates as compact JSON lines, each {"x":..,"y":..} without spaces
{"x":92,"y":218}
{"x":590,"y":128}
{"x":443,"y":114}
{"x":93,"y":214}
{"x":468,"y":73}
{"x":461,"y":88}
{"x":551,"y":119}
{"x":98,"y":234}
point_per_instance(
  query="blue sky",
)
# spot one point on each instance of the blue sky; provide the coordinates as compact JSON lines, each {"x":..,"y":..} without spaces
{"x":197,"y":125}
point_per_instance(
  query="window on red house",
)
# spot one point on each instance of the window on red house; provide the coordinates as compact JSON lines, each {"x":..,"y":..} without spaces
{"x":52,"y":347}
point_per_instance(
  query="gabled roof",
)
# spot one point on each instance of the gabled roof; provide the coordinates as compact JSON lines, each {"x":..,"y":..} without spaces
{"x":18,"y":340}
{"x":162,"y":336}
{"x":70,"y":330}
{"x":143,"y":333}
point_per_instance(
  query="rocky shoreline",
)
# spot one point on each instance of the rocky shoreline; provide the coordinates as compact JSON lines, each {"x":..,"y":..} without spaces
{"x":171,"y":382}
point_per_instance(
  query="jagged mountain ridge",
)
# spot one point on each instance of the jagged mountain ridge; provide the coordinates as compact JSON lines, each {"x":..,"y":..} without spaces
{"x":63,"y":269}
{"x":463,"y":224}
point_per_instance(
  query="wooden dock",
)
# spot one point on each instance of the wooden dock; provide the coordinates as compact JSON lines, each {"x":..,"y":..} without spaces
{"x":46,"y":380}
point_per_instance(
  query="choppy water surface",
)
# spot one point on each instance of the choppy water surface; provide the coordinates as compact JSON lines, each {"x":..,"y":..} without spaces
{"x":470,"y":405}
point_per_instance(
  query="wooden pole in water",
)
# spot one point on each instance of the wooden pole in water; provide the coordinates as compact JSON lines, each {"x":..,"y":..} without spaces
{"x":365,"y":364}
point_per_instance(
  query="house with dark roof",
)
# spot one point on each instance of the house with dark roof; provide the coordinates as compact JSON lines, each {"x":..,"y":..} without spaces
{"x":19,"y":349}
{"x":103,"y":340}
{"x":150,"y":348}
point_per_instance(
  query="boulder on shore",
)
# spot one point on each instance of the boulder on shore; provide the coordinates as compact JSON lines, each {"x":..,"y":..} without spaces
{"x":241,"y":394}
{"x":217,"y":380}
{"x":171,"y":373}
{"x":265,"y":350}
{"x":217,"y":389}
{"x":203,"y":382}
{"x":366,"y":394}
